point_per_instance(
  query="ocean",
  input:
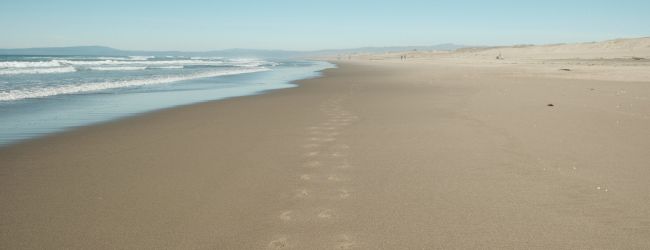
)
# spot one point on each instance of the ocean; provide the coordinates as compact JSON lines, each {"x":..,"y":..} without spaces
{"x":40,"y":95}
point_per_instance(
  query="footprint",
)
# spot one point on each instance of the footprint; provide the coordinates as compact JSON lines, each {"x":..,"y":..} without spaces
{"x":325,"y":214}
{"x":345,"y":242}
{"x":305,"y":177}
{"x":334,"y":178}
{"x":345,"y":165}
{"x":286,"y":216}
{"x":312,"y":154}
{"x":344,"y":194}
{"x":338,"y":154}
{"x":311,"y":145}
{"x":313,"y":164}
{"x":302,"y":193}
{"x":280,"y":243}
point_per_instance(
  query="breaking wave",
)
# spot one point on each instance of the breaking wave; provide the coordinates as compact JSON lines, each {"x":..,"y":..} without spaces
{"x":19,"y":94}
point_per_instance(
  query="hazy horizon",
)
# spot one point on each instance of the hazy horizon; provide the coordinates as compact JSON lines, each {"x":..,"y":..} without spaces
{"x":296,"y":26}
{"x":225,"y":49}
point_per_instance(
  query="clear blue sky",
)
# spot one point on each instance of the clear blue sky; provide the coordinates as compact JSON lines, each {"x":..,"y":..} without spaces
{"x":305,"y":25}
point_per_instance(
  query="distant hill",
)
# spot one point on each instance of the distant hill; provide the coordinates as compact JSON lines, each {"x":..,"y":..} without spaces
{"x":107,"y":51}
{"x":375,"y":50}
{"x":66,"y":51}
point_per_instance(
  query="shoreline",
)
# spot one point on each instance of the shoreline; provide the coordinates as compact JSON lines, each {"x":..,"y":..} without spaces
{"x":153,"y":113}
{"x":124,"y":105}
{"x":369,"y":155}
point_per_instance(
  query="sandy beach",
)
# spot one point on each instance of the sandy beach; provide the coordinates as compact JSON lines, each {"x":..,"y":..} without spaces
{"x":438,"y":151}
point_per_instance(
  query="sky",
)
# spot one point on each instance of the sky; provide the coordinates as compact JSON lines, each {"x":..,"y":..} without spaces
{"x":198,"y":25}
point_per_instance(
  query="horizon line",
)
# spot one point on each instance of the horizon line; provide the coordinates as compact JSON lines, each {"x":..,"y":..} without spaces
{"x":326,"y":49}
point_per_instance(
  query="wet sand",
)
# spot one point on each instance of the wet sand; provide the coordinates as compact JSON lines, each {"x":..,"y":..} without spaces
{"x":375,"y":154}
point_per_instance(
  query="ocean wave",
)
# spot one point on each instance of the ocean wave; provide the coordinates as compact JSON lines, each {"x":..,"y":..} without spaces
{"x":256,"y":64}
{"x":102,"y":58}
{"x":29,"y":64}
{"x":140,"y":61}
{"x":13,"y":95}
{"x":166,"y":67}
{"x":140,"y":58}
{"x":206,"y":58}
{"x":251,"y":62}
{"x":107,"y":62}
{"x":125,"y":68}
{"x":133,"y":63}
{"x":18,"y":71}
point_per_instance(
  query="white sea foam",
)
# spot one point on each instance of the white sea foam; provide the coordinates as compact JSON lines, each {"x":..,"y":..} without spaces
{"x":17,"y":71}
{"x":140,"y":58}
{"x":133,"y":61}
{"x":206,"y":58}
{"x":117,"y":68}
{"x":243,"y":59}
{"x":64,"y":65}
{"x":256,"y":64}
{"x":13,"y":95}
{"x":66,"y":62}
{"x":166,"y":67}
{"x":24,"y":64}
{"x":143,"y":63}
{"x":105,"y":57}
{"x":251,"y":62}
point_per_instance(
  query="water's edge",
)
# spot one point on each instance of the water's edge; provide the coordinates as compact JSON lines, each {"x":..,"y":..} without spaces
{"x":291,"y":83}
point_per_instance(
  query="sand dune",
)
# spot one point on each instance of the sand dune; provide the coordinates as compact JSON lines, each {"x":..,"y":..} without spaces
{"x":614,"y":49}
{"x":615,"y":60}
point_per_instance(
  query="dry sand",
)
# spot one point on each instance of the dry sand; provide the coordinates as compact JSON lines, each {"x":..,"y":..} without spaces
{"x":614,"y":60}
{"x":428,"y":153}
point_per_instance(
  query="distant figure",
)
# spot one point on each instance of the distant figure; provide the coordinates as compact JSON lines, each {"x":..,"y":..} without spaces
{"x":499,"y":57}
